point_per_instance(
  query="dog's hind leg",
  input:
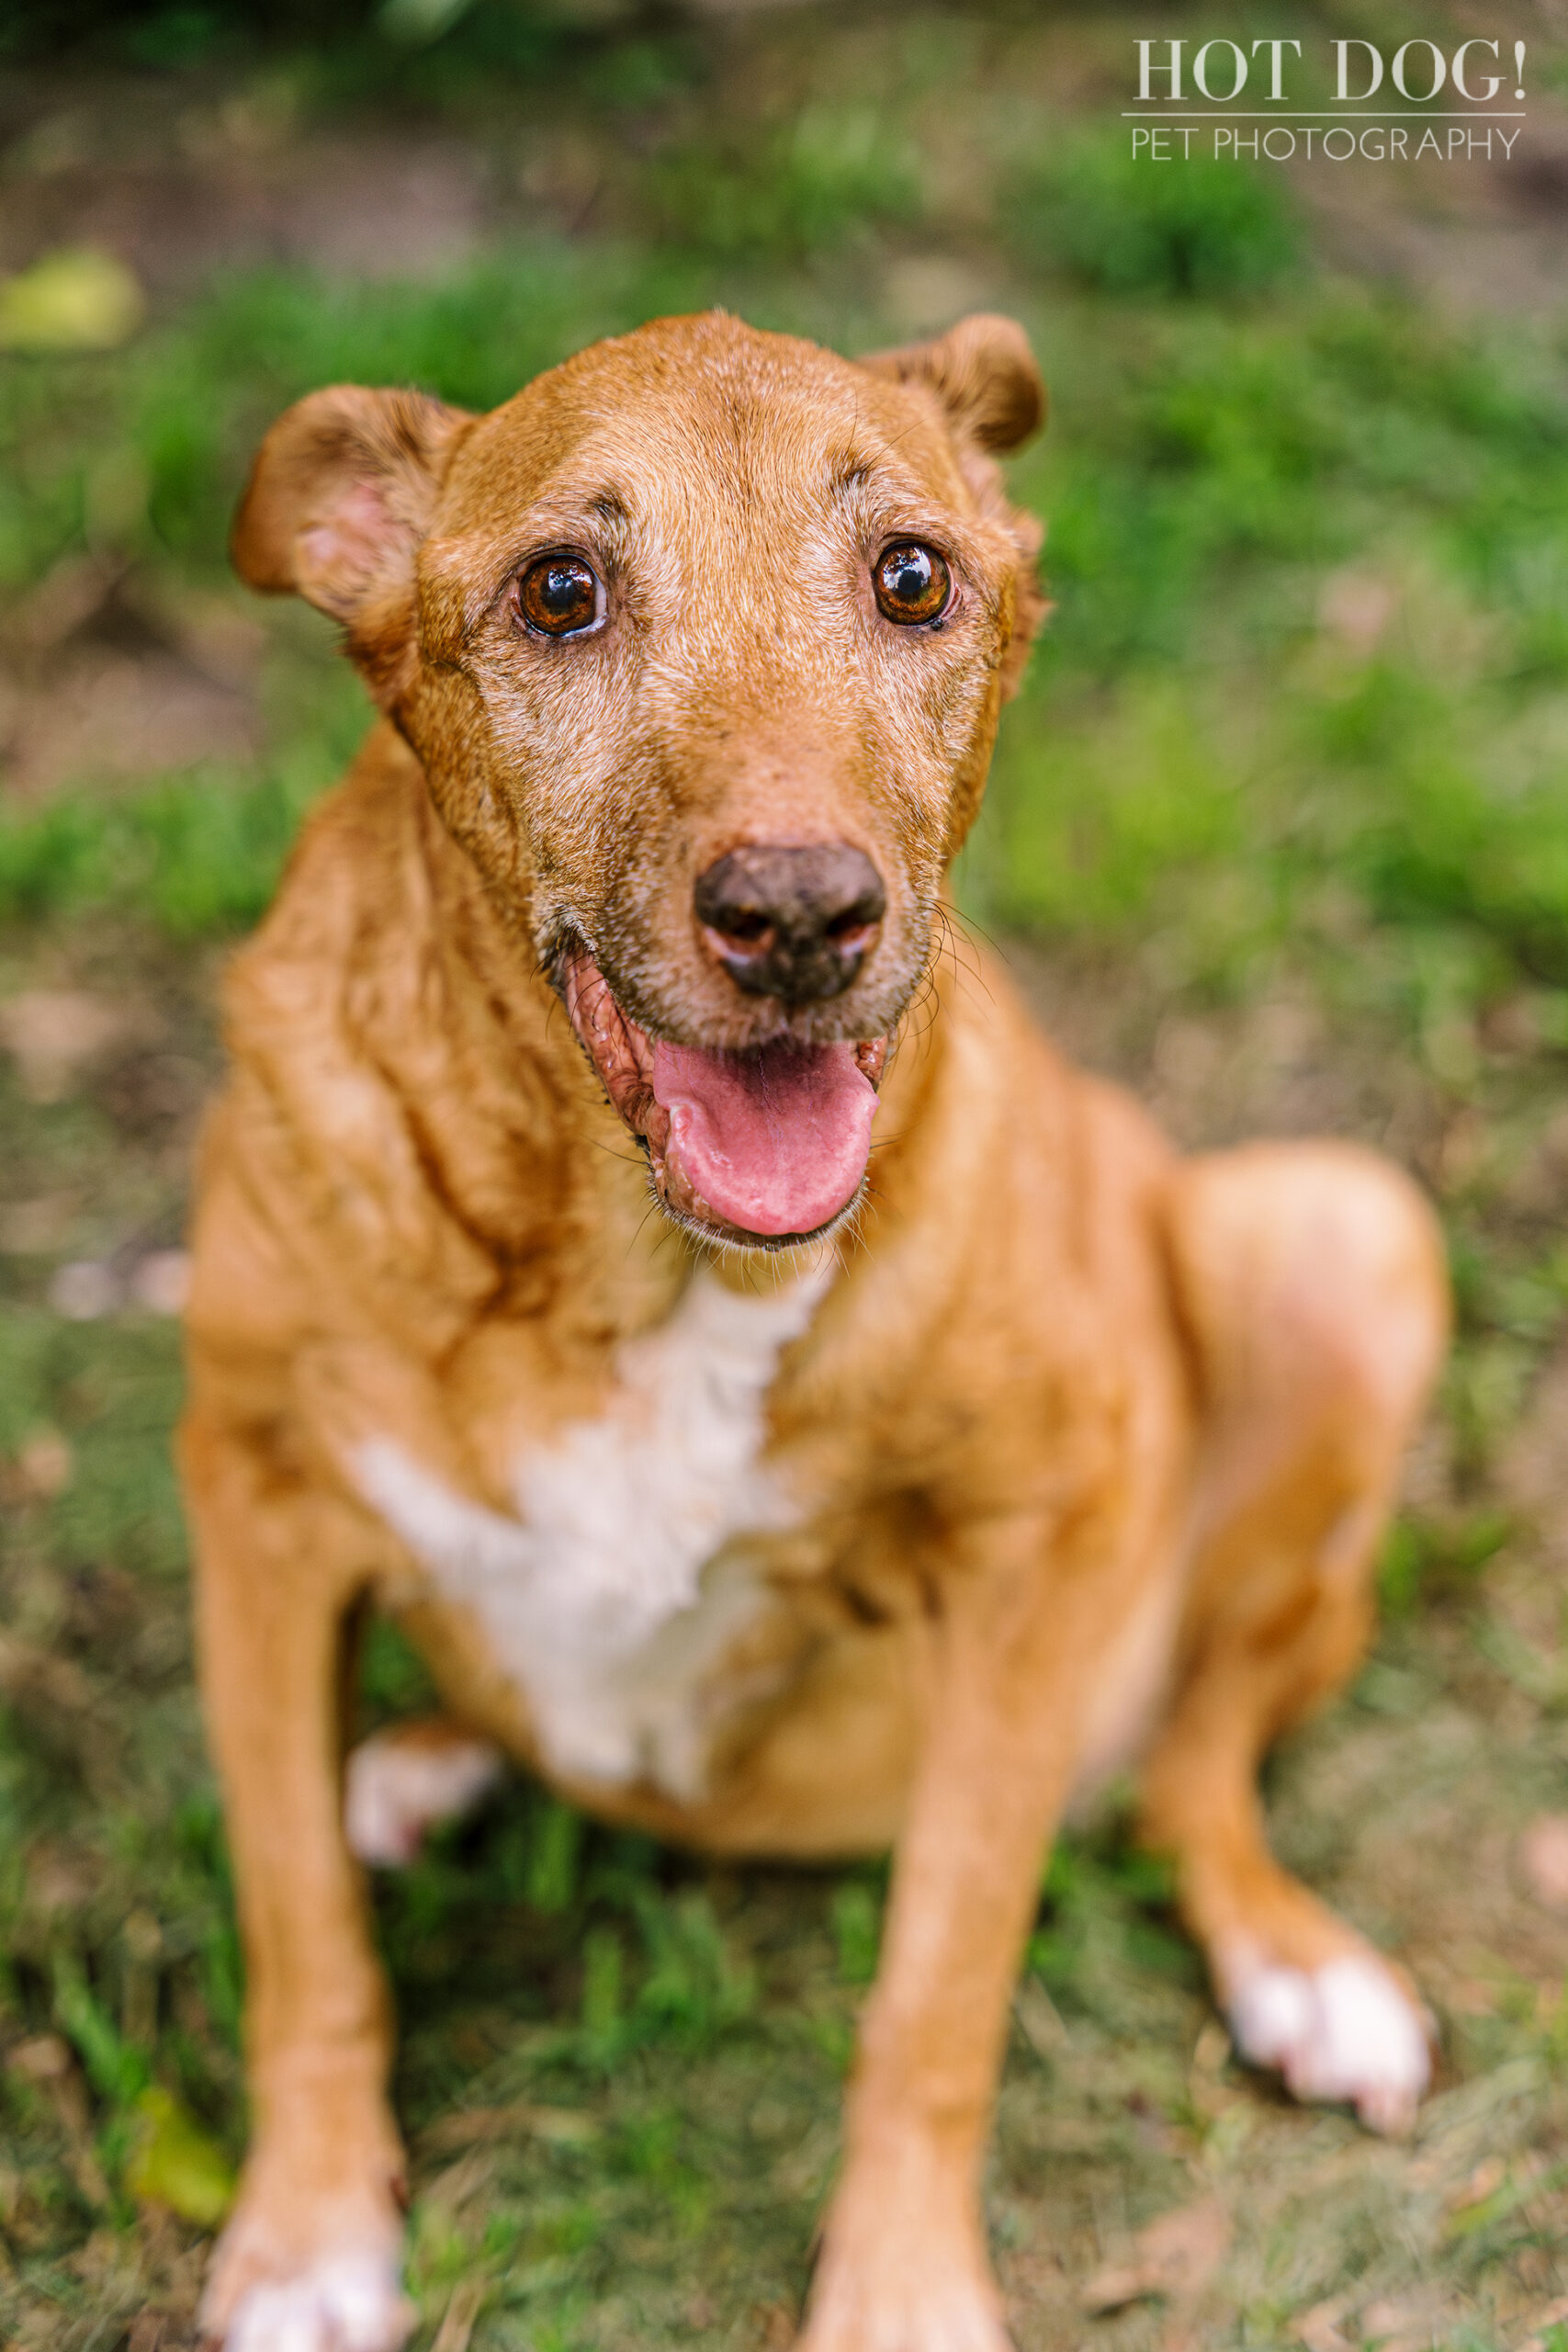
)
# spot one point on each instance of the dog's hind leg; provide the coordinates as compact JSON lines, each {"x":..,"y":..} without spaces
{"x":1312,"y":1284}
{"x":401,"y":1781}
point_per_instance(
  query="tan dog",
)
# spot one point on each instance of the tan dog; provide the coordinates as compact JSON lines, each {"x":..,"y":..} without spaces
{"x":819,"y":1510}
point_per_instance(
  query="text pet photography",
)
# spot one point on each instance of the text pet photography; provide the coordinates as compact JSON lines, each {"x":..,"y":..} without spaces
{"x":1189,"y":98}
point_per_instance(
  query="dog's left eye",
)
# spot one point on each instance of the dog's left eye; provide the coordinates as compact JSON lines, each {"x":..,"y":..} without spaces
{"x":561,"y":595}
{"x":913,"y":584}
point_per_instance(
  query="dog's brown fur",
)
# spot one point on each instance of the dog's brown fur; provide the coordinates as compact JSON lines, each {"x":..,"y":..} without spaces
{"x":1087,"y":1443}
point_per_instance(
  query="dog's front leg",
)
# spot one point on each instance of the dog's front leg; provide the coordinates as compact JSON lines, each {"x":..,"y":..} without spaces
{"x":310,"y":2259}
{"x":902,"y":2266}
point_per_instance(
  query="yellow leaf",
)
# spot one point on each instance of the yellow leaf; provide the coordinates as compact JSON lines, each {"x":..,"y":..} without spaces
{"x":70,"y":300}
{"x":173,"y":2162}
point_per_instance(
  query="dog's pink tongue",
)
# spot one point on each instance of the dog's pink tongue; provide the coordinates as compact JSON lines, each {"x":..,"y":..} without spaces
{"x":775,"y":1141}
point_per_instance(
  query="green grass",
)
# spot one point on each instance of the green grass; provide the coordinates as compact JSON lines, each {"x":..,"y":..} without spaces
{"x":1205,"y":707}
{"x":1295,"y":740}
{"x":1122,"y":225}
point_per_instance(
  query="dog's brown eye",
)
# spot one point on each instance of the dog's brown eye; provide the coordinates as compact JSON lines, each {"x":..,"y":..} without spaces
{"x":913,"y":584}
{"x":560,"y":594}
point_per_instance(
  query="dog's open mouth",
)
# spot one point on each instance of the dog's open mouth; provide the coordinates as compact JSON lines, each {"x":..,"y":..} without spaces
{"x":767,"y":1146}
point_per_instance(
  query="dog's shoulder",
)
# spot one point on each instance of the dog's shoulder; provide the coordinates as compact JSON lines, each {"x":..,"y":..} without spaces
{"x":350,"y":899}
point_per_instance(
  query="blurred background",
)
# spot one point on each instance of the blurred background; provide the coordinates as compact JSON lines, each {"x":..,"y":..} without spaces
{"x":1279,"y":832}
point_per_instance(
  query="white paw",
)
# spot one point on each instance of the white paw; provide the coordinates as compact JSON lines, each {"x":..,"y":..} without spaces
{"x":1342,"y":2031}
{"x":908,"y":2323}
{"x":909,"y":2288}
{"x":397,"y":1786}
{"x":345,"y":2303}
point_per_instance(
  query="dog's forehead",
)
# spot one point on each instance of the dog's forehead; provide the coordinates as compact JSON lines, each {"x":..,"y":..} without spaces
{"x":689,"y":413}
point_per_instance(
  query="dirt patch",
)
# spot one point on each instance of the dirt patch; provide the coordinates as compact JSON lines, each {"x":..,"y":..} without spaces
{"x":105,"y":677}
{"x":177,"y":191}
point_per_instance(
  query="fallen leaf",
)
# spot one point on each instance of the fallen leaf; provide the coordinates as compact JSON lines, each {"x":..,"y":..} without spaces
{"x":457,"y":2322}
{"x":458,"y":2185}
{"x":1176,"y":2255}
{"x":1319,"y":2328}
{"x":1488,"y":2177}
{"x":1552,"y":2316}
{"x":36,"y":1228}
{"x":1211,"y":2051}
{"x":41,"y":2058}
{"x":42,"y":1468}
{"x":174,"y":2162}
{"x":1543,"y":1859}
{"x":85,"y":1291}
{"x":1039,"y":2019}
{"x":75,"y":299}
{"x":29,"y":1671}
{"x":52,"y":1033}
{"x":161,"y":1282}
{"x":1356,"y":608}
{"x":1399,"y":2326}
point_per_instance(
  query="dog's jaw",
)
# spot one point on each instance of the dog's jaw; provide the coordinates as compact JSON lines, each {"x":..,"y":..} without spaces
{"x":778,"y":1138}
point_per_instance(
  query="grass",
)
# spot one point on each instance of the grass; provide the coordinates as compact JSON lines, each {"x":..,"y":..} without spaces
{"x":1278,"y":830}
{"x":1090,"y":205}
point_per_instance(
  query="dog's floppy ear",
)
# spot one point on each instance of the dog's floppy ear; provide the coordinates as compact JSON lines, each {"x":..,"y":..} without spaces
{"x":342,"y":490}
{"x":984,"y":374}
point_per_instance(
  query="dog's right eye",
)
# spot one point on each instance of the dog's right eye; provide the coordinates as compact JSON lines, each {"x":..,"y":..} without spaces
{"x":561,"y":595}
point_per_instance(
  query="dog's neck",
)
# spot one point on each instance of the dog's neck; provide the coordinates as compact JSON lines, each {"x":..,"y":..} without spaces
{"x":434,"y":999}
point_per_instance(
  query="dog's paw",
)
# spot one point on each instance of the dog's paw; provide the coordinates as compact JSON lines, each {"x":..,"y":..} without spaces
{"x":308,"y":2265}
{"x":340,"y":2303}
{"x":922,"y":2304}
{"x":1346,"y":2030}
{"x":398,"y":1784}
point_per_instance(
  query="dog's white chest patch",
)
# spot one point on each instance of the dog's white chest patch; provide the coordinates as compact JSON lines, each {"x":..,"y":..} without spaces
{"x":595,"y":1595}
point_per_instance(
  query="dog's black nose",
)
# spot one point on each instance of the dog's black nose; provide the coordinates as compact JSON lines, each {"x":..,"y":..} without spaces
{"x":794,"y":924}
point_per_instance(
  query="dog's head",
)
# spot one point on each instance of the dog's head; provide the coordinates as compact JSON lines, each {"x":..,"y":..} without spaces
{"x":701,"y":641}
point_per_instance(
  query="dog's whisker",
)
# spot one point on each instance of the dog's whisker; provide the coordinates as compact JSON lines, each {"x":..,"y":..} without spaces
{"x":957,"y":928}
